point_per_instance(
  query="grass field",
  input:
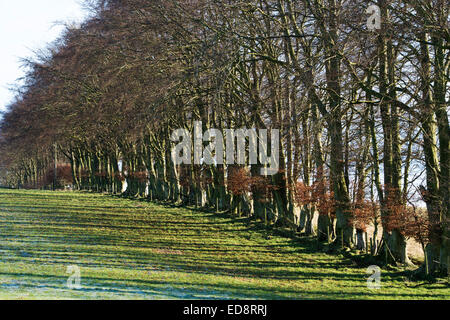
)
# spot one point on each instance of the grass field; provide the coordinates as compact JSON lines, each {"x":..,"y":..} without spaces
{"x":130,"y":249}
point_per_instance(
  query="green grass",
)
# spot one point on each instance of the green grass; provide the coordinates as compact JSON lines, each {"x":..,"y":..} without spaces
{"x":129,"y":249}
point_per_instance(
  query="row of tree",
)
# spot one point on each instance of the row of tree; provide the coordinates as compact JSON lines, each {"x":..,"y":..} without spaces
{"x":362,"y":111}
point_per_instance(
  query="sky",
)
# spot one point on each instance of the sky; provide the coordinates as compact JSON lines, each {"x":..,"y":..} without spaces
{"x":26,"y":26}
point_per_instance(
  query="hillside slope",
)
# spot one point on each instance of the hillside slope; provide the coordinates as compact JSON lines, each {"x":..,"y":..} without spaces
{"x":129,"y":249}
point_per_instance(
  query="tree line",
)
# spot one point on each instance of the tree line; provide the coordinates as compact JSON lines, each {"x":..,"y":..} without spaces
{"x":362,"y":113}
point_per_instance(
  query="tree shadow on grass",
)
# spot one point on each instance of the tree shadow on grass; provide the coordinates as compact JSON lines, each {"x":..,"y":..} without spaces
{"x":183,"y":289}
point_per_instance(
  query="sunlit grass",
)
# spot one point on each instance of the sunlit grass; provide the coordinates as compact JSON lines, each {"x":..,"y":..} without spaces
{"x":129,"y":249}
